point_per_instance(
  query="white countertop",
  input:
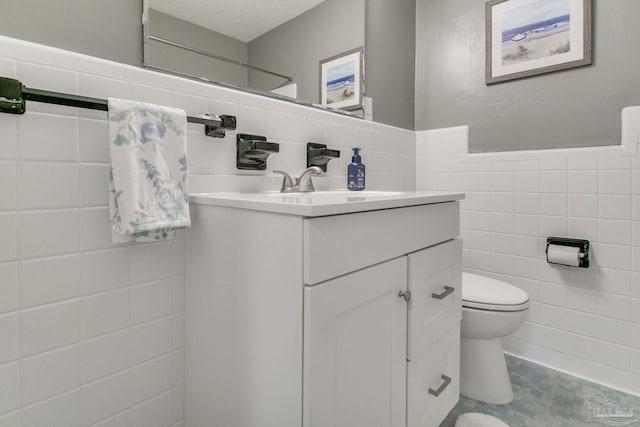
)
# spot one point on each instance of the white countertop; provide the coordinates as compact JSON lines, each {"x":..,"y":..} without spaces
{"x":323,"y":203}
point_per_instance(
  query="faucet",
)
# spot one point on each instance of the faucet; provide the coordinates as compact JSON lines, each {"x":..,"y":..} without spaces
{"x":303,"y":183}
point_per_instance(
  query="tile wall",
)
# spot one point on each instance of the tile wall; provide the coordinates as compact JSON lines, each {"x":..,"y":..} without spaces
{"x":91,"y":333}
{"x":583,"y":321}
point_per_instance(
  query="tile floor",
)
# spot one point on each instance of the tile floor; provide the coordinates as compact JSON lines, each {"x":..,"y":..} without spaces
{"x":548,"y":398}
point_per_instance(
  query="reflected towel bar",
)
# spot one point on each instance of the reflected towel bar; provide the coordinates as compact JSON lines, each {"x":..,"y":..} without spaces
{"x":13,"y":97}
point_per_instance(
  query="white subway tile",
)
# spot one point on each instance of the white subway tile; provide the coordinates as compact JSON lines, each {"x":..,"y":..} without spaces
{"x":635,"y":335}
{"x":583,"y":205}
{"x":614,"y":232}
{"x":552,"y":316}
{"x":613,"y":355}
{"x":102,"y":87}
{"x":502,"y":243}
{"x":47,"y":137}
{"x":615,"y":281}
{"x":10,"y":390}
{"x":178,"y":294}
{"x":47,"y":185}
{"x":8,"y":186}
{"x":9,"y":337}
{"x":178,"y":404}
{"x":155,"y":412}
{"x":9,"y":132}
{"x":635,"y":310}
{"x":635,"y":361}
{"x":614,"y":306}
{"x":94,"y":140}
{"x":526,"y":225}
{"x":48,"y":280}
{"x":286,"y":127}
{"x":503,"y":222}
{"x":582,"y":323}
{"x":50,"y":373}
{"x":8,"y":287}
{"x":104,"y":270}
{"x":105,"y":312}
{"x":636,"y":208}
{"x":553,"y":164}
{"x":615,"y":163}
{"x":613,"y":256}
{"x":581,"y":346}
{"x":123,"y":419}
{"x":615,"y":182}
{"x":151,"y":301}
{"x":553,"y":181}
{"x":526,"y":267}
{"x":479,"y":181}
{"x":615,"y":331}
{"x":527,"y":182}
{"x":150,"y":262}
{"x":48,"y":78}
{"x":105,"y":355}
{"x":49,"y":326}
{"x":60,"y":410}
{"x":553,"y":204}
{"x":527,"y":203}
{"x":526,"y":246}
{"x":151,"y":340}
{"x":150,"y":94}
{"x":502,"y":165}
{"x":553,"y":294}
{"x":582,"y":300}
{"x":253,"y":120}
{"x":106,"y":397}
{"x":95,"y":229}
{"x":178,"y":336}
{"x":583,"y":182}
{"x":583,"y":228}
{"x":553,"y":225}
{"x":94,"y":185}
{"x":8,"y":236}
{"x":150,"y":379}
{"x":179,"y":367}
{"x":502,"y":181}
{"x":8,"y":68}
{"x":615,"y":207}
{"x":47,"y":233}
{"x":502,"y":202}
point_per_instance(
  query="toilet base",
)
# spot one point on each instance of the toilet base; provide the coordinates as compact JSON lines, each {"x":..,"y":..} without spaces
{"x":483,"y":371}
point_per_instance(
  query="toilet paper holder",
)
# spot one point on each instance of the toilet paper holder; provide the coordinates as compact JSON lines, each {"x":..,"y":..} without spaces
{"x":581,"y":244}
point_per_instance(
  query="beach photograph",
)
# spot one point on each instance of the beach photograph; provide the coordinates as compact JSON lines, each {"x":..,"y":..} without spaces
{"x":538,"y":29}
{"x":341,"y":82}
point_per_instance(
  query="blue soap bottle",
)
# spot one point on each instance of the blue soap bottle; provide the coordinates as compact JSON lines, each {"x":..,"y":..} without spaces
{"x":356,"y":172}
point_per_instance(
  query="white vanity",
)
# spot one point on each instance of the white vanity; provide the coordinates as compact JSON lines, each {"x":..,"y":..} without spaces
{"x":323,"y":309}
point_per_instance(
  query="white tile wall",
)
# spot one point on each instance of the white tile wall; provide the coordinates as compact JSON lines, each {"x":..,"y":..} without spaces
{"x":583,"y":321}
{"x":92,"y":333}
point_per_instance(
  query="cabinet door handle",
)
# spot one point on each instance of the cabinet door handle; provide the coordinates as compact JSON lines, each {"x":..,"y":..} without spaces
{"x":447,"y":290}
{"x":445,"y":383}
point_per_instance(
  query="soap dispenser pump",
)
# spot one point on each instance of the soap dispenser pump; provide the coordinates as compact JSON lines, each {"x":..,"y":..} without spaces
{"x":356,"y":172}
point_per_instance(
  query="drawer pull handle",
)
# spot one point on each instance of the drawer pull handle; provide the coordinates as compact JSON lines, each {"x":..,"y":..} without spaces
{"x":445,"y":383}
{"x":447,"y":290}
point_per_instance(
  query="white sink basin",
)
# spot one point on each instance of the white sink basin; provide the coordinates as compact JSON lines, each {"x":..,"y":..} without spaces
{"x":322,"y":203}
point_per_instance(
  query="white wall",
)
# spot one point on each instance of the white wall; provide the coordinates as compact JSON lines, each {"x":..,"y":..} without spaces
{"x":583,"y":321}
{"x":91,"y":333}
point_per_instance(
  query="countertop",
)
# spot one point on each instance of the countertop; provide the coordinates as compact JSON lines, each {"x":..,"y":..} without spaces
{"x":323,"y":203}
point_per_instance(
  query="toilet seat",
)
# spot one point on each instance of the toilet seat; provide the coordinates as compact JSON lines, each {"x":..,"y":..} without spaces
{"x":486,"y":293}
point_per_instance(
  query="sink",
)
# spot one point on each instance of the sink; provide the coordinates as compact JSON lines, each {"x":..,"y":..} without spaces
{"x":321,"y":203}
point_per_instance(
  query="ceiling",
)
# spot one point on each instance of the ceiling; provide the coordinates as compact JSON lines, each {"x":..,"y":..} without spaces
{"x":241,"y":19}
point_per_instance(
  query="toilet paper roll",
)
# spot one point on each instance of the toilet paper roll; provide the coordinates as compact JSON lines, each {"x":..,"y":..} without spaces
{"x":565,"y":255}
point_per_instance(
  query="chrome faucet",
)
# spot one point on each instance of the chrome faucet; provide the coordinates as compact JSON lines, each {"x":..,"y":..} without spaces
{"x":303,"y":184}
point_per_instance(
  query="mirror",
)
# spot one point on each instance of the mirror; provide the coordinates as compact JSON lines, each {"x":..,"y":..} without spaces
{"x":270,"y":47}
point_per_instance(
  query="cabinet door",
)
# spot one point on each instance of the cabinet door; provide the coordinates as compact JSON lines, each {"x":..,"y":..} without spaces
{"x":435,"y":278}
{"x":355,"y":349}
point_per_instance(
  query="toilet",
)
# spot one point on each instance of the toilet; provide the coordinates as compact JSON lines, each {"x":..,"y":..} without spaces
{"x":491,"y":309}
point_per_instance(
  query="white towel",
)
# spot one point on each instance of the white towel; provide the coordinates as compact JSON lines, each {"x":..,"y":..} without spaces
{"x":148,"y":177}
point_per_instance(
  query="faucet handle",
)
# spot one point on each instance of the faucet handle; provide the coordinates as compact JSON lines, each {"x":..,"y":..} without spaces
{"x":287,"y":181}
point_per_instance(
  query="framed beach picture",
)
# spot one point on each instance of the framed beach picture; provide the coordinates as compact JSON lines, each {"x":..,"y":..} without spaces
{"x":341,"y":80}
{"x":529,"y":37}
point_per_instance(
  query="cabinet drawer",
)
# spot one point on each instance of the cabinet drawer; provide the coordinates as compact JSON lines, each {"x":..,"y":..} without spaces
{"x":335,"y":245}
{"x":435,"y":277}
{"x":427,"y":374}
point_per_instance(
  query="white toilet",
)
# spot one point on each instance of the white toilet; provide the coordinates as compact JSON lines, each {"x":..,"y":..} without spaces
{"x":491,"y":309}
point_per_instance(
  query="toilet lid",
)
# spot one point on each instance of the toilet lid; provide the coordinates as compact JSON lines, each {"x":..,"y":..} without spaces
{"x":481,"y":290}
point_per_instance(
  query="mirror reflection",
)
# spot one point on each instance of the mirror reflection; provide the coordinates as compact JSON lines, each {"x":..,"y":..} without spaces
{"x":274,"y":47}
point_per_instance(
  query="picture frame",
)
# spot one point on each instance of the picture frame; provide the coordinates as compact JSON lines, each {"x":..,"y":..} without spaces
{"x":341,"y":80}
{"x":529,"y":37}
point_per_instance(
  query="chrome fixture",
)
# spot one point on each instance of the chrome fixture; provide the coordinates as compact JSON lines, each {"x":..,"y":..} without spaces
{"x":319,"y":155}
{"x":252,"y":151}
{"x":303,"y":184}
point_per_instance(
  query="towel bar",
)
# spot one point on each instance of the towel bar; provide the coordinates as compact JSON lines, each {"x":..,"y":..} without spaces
{"x":13,"y":97}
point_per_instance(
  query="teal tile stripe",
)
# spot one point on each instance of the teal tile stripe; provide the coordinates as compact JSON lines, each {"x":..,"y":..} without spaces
{"x":548,"y":398}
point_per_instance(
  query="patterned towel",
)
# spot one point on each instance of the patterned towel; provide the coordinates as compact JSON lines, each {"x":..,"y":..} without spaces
{"x":148,"y":175}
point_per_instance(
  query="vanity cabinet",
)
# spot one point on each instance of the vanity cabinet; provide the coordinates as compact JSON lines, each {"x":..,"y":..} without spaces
{"x":296,"y":321}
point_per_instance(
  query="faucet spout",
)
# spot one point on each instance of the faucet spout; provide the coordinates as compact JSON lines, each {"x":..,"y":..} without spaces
{"x":304,"y":183}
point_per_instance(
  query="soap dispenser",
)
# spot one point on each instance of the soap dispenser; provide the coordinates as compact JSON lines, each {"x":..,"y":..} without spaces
{"x":356,"y":172}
